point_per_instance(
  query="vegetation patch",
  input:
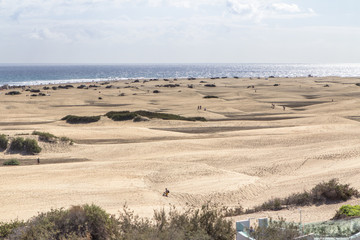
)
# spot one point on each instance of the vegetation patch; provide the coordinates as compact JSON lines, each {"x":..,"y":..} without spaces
{"x":127,"y":115}
{"x":29,"y":146}
{"x":166,"y":116}
{"x":323,"y":193}
{"x":121,"y":116}
{"x":11,"y":162}
{"x":51,"y":138}
{"x":13,"y":93}
{"x":211,"y":96}
{"x":347,"y":211}
{"x":17,"y":144}
{"x":4,"y":141}
{"x":45,"y":136}
{"x":7,"y":228}
{"x":92,"y":222}
{"x":280,"y":230}
{"x":80,"y":119}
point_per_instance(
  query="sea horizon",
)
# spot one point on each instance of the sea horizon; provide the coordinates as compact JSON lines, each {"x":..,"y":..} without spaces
{"x":55,"y":73}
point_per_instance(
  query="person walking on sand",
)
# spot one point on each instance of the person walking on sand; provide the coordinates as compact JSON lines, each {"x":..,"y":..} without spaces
{"x":166,"y":193}
{"x":284,"y":108}
{"x":38,"y":161}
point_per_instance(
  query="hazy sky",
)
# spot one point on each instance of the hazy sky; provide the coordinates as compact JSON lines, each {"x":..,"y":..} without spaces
{"x":179,"y":31}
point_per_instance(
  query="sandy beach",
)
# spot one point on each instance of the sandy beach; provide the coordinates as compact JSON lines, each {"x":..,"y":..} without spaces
{"x":247,"y":151}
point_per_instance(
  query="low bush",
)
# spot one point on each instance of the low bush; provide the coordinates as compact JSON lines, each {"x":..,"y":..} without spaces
{"x":28,"y":145}
{"x":347,"y":211}
{"x":210,"y":85}
{"x":126,"y":115}
{"x":279,"y":230}
{"x":66,"y":139}
{"x":31,"y":146}
{"x":45,"y":136}
{"x":166,"y":116}
{"x":333,"y":191}
{"x":4,"y":141}
{"x":11,"y":162}
{"x":17,"y":144}
{"x":7,"y":228}
{"x":325,"y":192}
{"x":121,"y":116}
{"x":92,"y":222}
{"x":211,"y":97}
{"x":79,"y":119}
{"x":13,"y":93}
{"x":78,"y":222}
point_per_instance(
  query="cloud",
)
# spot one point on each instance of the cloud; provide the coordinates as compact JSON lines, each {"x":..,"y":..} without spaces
{"x":258,"y":10}
{"x":130,"y":21}
{"x":47,"y":34}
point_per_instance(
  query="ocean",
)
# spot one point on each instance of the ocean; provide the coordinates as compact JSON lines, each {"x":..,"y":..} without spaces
{"x":22,"y":74}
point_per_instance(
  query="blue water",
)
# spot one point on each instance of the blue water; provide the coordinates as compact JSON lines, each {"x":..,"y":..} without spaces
{"x":41,"y":74}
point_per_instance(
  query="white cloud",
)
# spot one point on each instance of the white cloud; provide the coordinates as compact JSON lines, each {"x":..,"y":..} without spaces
{"x":292,"y":8}
{"x":266,"y":9}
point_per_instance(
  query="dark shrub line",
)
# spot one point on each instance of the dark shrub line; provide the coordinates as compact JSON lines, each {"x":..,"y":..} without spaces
{"x":48,"y":137}
{"x":323,"y":193}
{"x":80,"y":119}
{"x":11,"y":162}
{"x":45,"y":136}
{"x":127,"y":115}
{"x":211,"y":96}
{"x":13,"y":93}
{"x":92,"y":222}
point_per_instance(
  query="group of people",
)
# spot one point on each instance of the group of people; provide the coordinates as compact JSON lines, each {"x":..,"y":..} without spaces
{"x":199,"y":108}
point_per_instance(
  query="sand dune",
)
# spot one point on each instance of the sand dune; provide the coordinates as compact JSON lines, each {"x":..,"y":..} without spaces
{"x":246,"y":153}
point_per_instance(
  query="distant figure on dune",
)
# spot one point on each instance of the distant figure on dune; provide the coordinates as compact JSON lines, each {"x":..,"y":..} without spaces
{"x":38,"y":161}
{"x":284,"y":108}
{"x":166,"y":192}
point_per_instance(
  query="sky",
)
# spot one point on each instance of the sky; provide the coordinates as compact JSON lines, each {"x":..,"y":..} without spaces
{"x":179,"y":31}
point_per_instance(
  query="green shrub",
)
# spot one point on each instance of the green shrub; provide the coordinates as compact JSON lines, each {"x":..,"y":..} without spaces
{"x":45,"y":136}
{"x":13,"y":93}
{"x":277,"y":230}
{"x":325,"y":192}
{"x":78,"y":222}
{"x":126,"y":115}
{"x":92,"y":222}
{"x":346,"y":211}
{"x":79,"y":119}
{"x":4,"y":141}
{"x":333,"y":191}
{"x":166,"y":116}
{"x":11,"y":162}
{"x":66,"y":139}
{"x":7,"y":228}
{"x":211,"y":97}
{"x":17,"y":144}
{"x":121,"y":116}
{"x":31,"y":146}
